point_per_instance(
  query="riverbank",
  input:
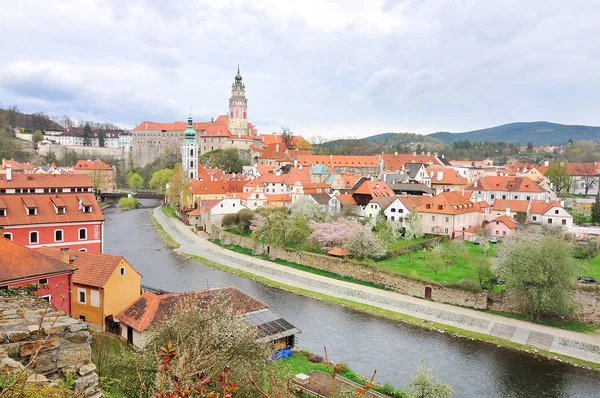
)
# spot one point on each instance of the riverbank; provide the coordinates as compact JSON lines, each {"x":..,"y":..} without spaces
{"x":575,"y":348}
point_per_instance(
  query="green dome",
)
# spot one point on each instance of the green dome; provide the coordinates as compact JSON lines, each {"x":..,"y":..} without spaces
{"x":190,"y":133}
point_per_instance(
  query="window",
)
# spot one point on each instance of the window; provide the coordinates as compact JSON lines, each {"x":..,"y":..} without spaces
{"x":492,"y":196}
{"x":528,"y":197}
{"x":33,"y":237}
{"x":534,"y":218}
{"x":549,"y":221}
{"x":8,"y":235}
{"x":503,"y":196}
{"x":432,"y":229}
{"x":61,"y":210}
{"x":504,"y":233}
{"x":2,"y":212}
{"x":87,"y":209}
{"x":564,"y":222}
{"x":82,"y":250}
{"x":81,"y":317}
{"x":122,"y":271}
{"x":432,"y":218}
{"x":82,"y":234}
{"x":401,"y":211}
{"x":94,"y":298}
{"x":43,"y":281}
{"x":47,"y":297}
{"x":393,"y":210}
{"x":81,"y":296}
{"x":58,"y":235}
{"x":497,"y":232}
{"x":447,"y":219}
{"x":31,"y":211}
{"x":556,"y":211}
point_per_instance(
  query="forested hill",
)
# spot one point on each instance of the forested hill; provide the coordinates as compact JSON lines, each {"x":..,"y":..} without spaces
{"x":539,"y":133}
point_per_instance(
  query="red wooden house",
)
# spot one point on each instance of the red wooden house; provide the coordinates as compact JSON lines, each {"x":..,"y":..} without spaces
{"x":21,"y":266}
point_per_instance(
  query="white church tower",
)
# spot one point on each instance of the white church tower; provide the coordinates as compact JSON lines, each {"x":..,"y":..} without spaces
{"x":189,"y":151}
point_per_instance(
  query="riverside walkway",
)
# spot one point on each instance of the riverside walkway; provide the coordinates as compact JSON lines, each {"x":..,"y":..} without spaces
{"x":573,"y":344}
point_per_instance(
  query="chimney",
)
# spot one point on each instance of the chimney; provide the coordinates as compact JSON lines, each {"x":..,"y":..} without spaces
{"x":395,"y":153}
{"x":8,"y":172}
{"x":463,"y":191}
{"x":64,"y":255}
{"x":562,"y":203}
{"x":508,"y":211}
{"x":547,"y":200}
{"x":428,"y":153}
{"x":276,"y":147}
{"x":440,"y":175}
{"x":414,"y":154}
{"x":330,"y":157}
{"x":475,"y":184}
{"x":300,"y":167}
{"x":546,"y":163}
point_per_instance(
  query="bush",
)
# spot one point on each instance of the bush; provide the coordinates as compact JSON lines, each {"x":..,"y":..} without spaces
{"x":129,"y":203}
{"x":469,"y":284}
{"x":245,"y":218}
{"x":314,"y":358}
{"x":229,"y":220}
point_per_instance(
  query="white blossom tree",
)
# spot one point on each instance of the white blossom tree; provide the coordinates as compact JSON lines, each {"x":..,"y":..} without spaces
{"x":413,"y":225}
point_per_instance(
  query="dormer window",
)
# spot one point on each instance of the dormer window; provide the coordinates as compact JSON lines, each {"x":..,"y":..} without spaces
{"x":2,"y":212}
{"x":30,"y":206}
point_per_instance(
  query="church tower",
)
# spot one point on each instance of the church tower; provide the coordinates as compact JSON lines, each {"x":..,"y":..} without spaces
{"x":238,"y":107}
{"x":189,"y":151}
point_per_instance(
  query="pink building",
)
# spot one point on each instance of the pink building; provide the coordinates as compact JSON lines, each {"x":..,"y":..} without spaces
{"x":449,"y":213}
{"x":501,"y":227}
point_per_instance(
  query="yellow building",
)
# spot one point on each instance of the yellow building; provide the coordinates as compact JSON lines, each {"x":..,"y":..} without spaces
{"x":103,"y":285}
{"x":101,"y":174}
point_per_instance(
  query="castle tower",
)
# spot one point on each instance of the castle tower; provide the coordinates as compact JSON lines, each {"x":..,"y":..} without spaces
{"x":189,"y":151}
{"x":238,"y":107}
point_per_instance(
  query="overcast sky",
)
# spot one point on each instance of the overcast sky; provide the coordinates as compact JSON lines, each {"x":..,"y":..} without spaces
{"x":332,"y":68}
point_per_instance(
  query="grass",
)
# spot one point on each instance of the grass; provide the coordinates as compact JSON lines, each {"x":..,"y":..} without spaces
{"x":415,"y":266}
{"x":574,"y":326}
{"x":316,"y":271}
{"x":591,"y":267}
{"x":407,"y":319}
{"x":400,"y":243}
{"x":169,"y":211}
{"x":164,"y":235}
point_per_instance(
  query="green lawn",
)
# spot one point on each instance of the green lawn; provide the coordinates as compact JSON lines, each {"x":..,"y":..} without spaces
{"x":400,"y":243}
{"x":591,"y":267}
{"x":169,"y":211}
{"x":415,"y":265}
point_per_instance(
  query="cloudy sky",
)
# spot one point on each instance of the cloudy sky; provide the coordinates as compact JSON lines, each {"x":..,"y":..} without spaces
{"x":331,"y":68}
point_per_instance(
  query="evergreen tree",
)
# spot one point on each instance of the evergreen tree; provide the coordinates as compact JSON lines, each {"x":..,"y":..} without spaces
{"x":596,"y":210}
{"x":530,"y":146}
{"x":87,"y":135}
{"x":101,"y":137}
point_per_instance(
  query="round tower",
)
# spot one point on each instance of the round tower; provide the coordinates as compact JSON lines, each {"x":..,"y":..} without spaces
{"x":189,"y":150}
{"x":238,"y":107}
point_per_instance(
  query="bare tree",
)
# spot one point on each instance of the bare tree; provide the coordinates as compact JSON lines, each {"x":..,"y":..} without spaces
{"x":287,"y":135}
{"x":318,"y":143}
{"x":12,"y":113}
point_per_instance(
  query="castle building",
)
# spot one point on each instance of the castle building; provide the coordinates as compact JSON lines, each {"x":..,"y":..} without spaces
{"x":189,"y":150}
{"x":238,"y":107}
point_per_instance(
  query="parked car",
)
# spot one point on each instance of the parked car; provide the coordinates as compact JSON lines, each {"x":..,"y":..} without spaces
{"x":494,"y":239}
{"x":587,"y":279}
{"x":476,"y":241}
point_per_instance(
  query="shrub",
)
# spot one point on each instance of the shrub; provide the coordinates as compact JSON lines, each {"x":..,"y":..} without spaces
{"x":314,"y":358}
{"x":229,"y":220}
{"x":469,"y":284}
{"x":245,"y":218}
{"x":129,"y":203}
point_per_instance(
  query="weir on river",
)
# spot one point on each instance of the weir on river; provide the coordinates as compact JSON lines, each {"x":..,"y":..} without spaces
{"x":363,"y":341}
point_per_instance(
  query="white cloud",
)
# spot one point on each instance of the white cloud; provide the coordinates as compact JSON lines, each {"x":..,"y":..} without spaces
{"x":335,"y":68}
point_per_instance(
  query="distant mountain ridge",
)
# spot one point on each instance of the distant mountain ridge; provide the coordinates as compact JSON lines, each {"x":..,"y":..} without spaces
{"x":539,"y":133}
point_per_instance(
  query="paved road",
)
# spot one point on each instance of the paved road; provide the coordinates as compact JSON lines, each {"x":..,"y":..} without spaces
{"x":565,"y":342}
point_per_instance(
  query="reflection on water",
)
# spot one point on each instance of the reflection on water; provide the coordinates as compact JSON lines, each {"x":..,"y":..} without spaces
{"x":362,"y":341}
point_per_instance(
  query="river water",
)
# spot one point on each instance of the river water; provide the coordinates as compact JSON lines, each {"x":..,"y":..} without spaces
{"x":363,"y":341}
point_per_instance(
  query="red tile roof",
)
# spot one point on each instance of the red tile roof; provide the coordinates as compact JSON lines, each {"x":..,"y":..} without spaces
{"x":541,"y":207}
{"x":92,"y":165}
{"x":506,"y":220}
{"x":151,"y":310}
{"x":93,"y":269}
{"x":346,"y":200}
{"x":505,"y":183}
{"x":448,"y":203}
{"x":42,"y":181}
{"x":338,"y":252}
{"x":375,"y":189}
{"x":519,"y":206}
{"x":278,"y":198}
{"x":411,"y":200}
{"x":392,"y":162}
{"x":19,"y":262}
{"x":16,"y":214}
{"x":445,"y":176}
{"x":216,"y":128}
{"x":339,"y":160}
{"x":582,"y":169}
{"x":207,"y":187}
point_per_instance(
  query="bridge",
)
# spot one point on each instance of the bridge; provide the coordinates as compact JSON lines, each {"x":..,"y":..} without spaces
{"x":139,"y":195}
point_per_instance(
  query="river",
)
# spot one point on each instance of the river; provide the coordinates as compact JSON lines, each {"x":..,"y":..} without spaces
{"x":363,"y":341}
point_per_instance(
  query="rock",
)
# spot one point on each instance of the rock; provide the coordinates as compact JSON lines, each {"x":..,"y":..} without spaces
{"x":33,"y":329}
{"x":86,"y":369}
{"x":16,"y":335}
{"x":45,"y":362}
{"x":11,"y":363}
{"x":38,"y":345}
{"x":9,"y":312}
{"x":60,"y":325}
{"x":37,"y":378}
{"x":91,"y":380}
{"x":78,"y":338}
{"x":77,"y":327}
{"x":12,"y":349}
{"x":73,"y":355}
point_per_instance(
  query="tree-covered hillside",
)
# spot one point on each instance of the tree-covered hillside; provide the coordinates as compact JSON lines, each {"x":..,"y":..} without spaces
{"x":539,"y":133}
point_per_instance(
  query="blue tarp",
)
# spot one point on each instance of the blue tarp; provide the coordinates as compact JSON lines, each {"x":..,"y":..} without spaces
{"x":283,"y":353}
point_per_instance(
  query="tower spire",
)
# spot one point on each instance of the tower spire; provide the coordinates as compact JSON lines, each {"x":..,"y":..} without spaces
{"x":190,"y":117}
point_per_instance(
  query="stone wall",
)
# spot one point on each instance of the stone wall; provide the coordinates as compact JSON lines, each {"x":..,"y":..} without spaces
{"x":398,"y":283}
{"x":54,"y":341}
{"x":83,"y":152}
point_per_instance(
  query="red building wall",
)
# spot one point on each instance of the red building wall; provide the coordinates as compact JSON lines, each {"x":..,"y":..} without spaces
{"x":92,"y":243}
{"x":59,"y":286}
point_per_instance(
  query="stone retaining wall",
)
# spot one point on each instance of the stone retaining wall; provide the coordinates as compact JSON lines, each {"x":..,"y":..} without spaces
{"x":398,"y":283}
{"x":59,"y":344}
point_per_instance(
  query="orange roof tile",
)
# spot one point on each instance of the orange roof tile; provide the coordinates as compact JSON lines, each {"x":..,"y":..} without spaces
{"x":92,"y":165}
{"x":375,"y":189}
{"x":541,"y":207}
{"x":43,"y":181}
{"x":392,"y":162}
{"x":278,"y":197}
{"x":448,"y":203}
{"x":338,"y":252}
{"x":16,"y":214}
{"x":151,"y":310}
{"x":346,"y":200}
{"x":445,"y":176}
{"x":519,"y":206}
{"x":411,"y":200}
{"x":339,"y":160}
{"x":506,"y":220}
{"x":19,"y":262}
{"x":93,"y":269}
{"x":505,"y":183}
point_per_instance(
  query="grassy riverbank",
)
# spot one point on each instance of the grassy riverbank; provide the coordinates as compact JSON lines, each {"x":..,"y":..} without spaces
{"x":442,"y":328}
{"x":163,"y":234}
